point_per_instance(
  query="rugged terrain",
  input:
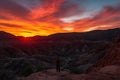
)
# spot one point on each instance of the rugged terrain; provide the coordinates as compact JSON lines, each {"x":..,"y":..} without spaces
{"x":92,"y":55}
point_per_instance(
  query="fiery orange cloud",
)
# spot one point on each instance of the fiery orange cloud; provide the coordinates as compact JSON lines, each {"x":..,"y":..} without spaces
{"x":48,"y":8}
{"x":45,"y":19}
{"x":108,"y":18}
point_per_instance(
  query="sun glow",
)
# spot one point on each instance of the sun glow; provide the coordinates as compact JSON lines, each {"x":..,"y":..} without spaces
{"x":45,"y":17}
{"x":27,"y":34}
{"x":68,"y":28}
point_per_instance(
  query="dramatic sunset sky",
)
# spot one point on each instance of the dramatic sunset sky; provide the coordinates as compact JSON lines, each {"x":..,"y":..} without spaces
{"x":45,"y":17}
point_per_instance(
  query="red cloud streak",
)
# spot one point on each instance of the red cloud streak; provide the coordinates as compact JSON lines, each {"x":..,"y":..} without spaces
{"x":45,"y":19}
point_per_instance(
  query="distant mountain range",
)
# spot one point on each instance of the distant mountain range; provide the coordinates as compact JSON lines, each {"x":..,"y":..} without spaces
{"x":96,"y":35}
{"x":5,"y":35}
{"x":92,"y":35}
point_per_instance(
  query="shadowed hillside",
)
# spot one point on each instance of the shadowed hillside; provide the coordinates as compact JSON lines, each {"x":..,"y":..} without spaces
{"x":4,"y":35}
{"x":81,"y":54}
{"x":96,"y":35}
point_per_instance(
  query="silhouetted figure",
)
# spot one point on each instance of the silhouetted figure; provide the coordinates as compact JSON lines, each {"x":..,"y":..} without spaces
{"x":58,"y":64}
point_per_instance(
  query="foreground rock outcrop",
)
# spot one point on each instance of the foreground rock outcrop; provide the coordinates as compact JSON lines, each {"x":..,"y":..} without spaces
{"x":111,"y":72}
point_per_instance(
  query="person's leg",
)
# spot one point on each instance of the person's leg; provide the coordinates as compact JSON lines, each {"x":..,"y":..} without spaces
{"x":58,"y":68}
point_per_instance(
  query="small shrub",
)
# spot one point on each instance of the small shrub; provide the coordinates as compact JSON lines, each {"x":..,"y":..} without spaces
{"x":40,"y":68}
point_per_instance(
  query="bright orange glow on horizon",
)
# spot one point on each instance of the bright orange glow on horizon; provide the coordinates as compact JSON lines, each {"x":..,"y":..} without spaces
{"x":56,"y":16}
